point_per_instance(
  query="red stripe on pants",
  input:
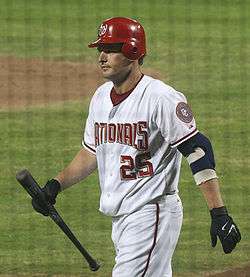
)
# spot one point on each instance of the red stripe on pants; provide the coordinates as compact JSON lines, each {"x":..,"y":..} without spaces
{"x":155,"y":237}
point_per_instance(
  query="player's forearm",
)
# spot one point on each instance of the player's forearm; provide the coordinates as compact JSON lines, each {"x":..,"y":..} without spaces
{"x":211,"y":192}
{"x":81,"y":166}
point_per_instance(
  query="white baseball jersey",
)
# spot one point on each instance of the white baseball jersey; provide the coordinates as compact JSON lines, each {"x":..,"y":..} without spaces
{"x":135,"y":143}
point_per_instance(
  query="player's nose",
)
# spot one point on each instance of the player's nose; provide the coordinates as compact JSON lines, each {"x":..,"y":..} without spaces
{"x":103,"y":57}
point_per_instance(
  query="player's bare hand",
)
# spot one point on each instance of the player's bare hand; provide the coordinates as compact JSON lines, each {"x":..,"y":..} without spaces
{"x":50,"y":191}
{"x":223,"y":226}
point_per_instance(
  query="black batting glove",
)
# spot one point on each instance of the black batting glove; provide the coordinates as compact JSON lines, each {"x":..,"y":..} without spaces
{"x":223,"y":226}
{"x":50,"y":190}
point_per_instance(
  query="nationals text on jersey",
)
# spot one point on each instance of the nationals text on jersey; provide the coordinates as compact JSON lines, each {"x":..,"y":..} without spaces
{"x":133,"y":134}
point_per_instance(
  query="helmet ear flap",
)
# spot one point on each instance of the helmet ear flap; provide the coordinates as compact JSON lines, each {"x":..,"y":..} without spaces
{"x":131,"y":50}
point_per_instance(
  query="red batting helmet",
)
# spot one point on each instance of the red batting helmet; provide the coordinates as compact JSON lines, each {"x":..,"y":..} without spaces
{"x":123,"y":30}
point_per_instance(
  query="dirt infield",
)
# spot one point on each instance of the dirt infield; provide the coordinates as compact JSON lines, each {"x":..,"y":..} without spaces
{"x":234,"y":272}
{"x":36,"y":82}
{"x":31,"y":82}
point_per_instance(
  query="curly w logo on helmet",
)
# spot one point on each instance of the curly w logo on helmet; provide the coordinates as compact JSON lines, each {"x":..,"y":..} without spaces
{"x":102,"y":30}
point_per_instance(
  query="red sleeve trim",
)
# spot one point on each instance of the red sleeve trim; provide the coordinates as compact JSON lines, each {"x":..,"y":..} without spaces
{"x":184,"y":138}
{"x":88,"y":147}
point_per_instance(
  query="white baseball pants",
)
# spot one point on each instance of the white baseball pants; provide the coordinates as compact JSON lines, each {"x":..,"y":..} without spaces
{"x":146,"y":239}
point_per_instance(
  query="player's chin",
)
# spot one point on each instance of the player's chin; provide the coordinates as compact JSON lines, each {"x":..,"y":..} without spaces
{"x":107,"y":73}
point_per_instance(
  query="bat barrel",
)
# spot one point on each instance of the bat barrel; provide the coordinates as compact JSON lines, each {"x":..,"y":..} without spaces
{"x":31,"y":186}
{"x":21,"y":175}
{"x":24,"y":177}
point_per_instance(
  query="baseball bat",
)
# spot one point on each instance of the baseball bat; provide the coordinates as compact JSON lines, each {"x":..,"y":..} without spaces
{"x":25,"y":178}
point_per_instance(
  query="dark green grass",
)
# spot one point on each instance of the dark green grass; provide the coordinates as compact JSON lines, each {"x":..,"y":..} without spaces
{"x":202,"y":49}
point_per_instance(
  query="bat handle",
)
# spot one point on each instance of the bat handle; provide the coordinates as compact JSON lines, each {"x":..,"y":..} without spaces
{"x":93,"y":265}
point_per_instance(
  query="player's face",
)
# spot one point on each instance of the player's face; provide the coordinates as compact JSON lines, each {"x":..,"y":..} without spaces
{"x":114,"y":65}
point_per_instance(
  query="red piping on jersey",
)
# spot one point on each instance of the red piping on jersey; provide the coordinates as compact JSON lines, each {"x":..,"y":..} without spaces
{"x":182,"y":139}
{"x":93,"y":150}
{"x":155,"y":237}
{"x":118,"y":98}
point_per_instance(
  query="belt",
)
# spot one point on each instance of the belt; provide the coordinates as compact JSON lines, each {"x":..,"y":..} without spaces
{"x":158,"y":198}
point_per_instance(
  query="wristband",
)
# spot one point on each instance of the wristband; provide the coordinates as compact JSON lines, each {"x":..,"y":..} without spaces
{"x":218,"y":211}
{"x":54,"y":186}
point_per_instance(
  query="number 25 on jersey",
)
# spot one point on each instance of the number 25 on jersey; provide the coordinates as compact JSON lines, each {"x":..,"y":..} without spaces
{"x":139,"y":167}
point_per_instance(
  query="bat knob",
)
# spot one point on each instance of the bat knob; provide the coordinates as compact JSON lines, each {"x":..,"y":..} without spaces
{"x":94,"y":266}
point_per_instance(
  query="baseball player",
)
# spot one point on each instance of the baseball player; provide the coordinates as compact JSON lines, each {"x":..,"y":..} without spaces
{"x":136,"y":132}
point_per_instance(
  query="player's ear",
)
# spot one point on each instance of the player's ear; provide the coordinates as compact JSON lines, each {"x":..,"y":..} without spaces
{"x":140,"y":61}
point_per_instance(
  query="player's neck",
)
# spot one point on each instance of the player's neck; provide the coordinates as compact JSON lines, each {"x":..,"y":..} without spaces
{"x":129,"y":83}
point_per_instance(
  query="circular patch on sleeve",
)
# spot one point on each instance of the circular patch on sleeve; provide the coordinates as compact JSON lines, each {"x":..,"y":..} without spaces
{"x":184,"y":113}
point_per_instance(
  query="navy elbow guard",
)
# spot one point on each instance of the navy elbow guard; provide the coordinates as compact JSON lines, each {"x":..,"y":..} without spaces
{"x":199,"y":153}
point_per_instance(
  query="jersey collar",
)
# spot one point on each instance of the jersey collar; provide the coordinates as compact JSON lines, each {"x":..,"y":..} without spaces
{"x":118,"y":98}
